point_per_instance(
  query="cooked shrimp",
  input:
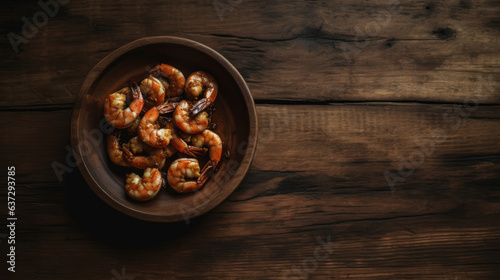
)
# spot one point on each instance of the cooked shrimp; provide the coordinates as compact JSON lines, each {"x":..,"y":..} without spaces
{"x":135,"y":145}
{"x":115,"y":151}
{"x":132,"y":129}
{"x":179,"y":144}
{"x":169,"y":151}
{"x":154,"y":90}
{"x":155,"y":157}
{"x":169,"y":105}
{"x":199,"y":83}
{"x":182,"y":169}
{"x":114,"y":105}
{"x":150,"y":132}
{"x":211,"y":140}
{"x":187,"y":123}
{"x":174,"y":79}
{"x":184,"y":136}
{"x":144,"y":188}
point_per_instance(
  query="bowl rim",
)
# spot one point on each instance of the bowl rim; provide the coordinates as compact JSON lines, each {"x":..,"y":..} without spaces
{"x":94,"y":74}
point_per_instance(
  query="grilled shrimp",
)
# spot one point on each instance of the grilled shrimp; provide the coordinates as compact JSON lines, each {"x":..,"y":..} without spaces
{"x":115,"y":151}
{"x":168,"y":106}
{"x":187,"y":123}
{"x":144,"y":188}
{"x":132,"y":129}
{"x":211,"y":140}
{"x":183,"y":135}
{"x":172,"y":79}
{"x":154,"y":90}
{"x":114,"y":106}
{"x":135,"y":145}
{"x":154,"y":158}
{"x":182,"y":169}
{"x":180,"y":144}
{"x":199,"y":83}
{"x":150,"y":132}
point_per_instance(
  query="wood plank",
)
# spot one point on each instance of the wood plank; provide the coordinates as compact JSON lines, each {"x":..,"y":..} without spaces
{"x":328,"y":181}
{"x":427,"y":52}
{"x":337,"y":140}
{"x":320,"y":169}
{"x":33,"y":140}
{"x":436,"y":233}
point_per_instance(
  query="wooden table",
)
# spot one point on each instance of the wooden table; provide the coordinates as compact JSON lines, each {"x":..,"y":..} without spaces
{"x":378,"y":156}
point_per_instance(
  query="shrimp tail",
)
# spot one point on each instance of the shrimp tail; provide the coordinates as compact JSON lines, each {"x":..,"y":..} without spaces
{"x":132,"y":159}
{"x":184,"y":148}
{"x":156,"y":71}
{"x":167,"y":107}
{"x":173,"y":99}
{"x":205,"y":173}
{"x":136,"y":91}
{"x":195,"y":151}
{"x":201,"y":105}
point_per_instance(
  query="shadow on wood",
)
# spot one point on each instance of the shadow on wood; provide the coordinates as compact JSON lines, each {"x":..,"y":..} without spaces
{"x":112,"y":227}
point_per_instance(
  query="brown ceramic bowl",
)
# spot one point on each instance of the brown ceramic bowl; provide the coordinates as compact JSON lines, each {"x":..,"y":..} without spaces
{"x":234,"y":114}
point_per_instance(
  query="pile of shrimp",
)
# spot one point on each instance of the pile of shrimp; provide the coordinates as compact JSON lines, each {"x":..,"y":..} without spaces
{"x":161,"y":127}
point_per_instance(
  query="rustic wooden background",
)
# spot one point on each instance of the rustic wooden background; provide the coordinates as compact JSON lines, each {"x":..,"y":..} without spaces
{"x":346,"y":92}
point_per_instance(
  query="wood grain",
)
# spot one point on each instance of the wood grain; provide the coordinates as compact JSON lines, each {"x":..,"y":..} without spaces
{"x":331,"y":124}
{"x":338,"y":140}
{"x":328,"y":181}
{"x":428,"y":52}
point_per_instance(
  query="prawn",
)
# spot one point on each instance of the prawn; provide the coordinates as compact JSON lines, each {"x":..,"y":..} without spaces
{"x":180,"y":144}
{"x":199,"y":83}
{"x":150,"y":132}
{"x":115,"y":151}
{"x":132,"y":129}
{"x":173,"y":80}
{"x":154,"y":90}
{"x":182,"y":169}
{"x":187,"y":123}
{"x":168,"y":106}
{"x":115,"y":103}
{"x":155,"y":156}
{"x":144,"y":188}
{"x":211,"y":140}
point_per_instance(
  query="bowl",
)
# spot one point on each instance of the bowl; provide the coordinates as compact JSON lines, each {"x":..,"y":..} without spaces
{"x":234,"y":114}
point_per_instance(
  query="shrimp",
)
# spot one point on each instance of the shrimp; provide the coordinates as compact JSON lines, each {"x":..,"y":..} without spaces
{"x":201,"y":82}
{"x":154,"y":90}
{"x":187,"y":123}
{"x":174,"y":79}
{"x":150,"y":132}
{"x":180,"y":144}
{"x":135,"y":145}
{"x":144,"y":188}
{"x":132,"y":129}
{"x":114,"y":105}
{"x":115,"y":151}
{"x":180,"y":170}
{"x":183,"y":135}
{"x":168,"y":106}
{"x":211,"y":140}
{"x":155,"y":156}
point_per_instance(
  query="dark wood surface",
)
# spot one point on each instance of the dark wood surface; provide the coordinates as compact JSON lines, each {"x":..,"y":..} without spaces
{"x":347,"y":93}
